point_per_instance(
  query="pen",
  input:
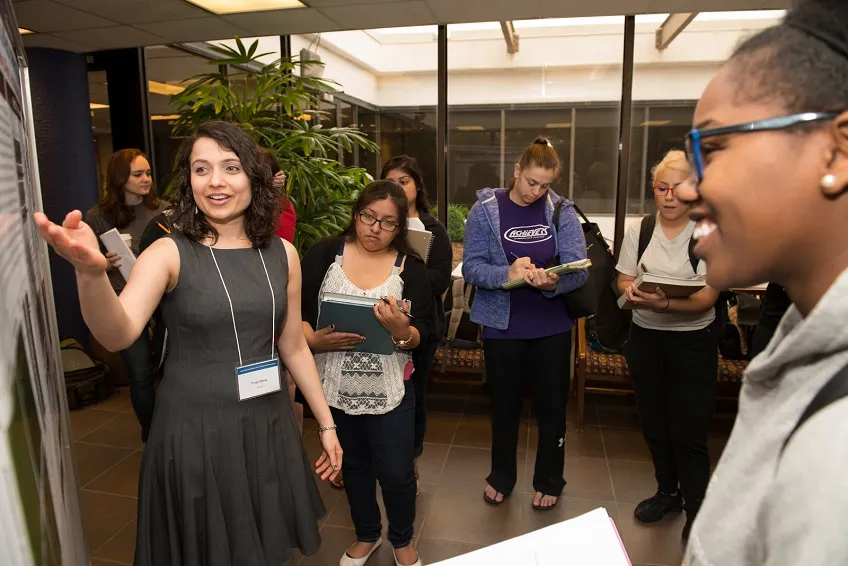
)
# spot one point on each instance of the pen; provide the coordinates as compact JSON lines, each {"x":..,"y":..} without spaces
{"x":163,"y":228}
{"x":399,"y":306}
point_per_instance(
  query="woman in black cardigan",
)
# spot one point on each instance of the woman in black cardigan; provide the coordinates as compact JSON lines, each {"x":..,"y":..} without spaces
{"x":404,"y":171}
{"x":369,"y":394}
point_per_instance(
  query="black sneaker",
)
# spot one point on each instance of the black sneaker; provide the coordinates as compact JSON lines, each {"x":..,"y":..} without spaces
{"x":653,"y":509}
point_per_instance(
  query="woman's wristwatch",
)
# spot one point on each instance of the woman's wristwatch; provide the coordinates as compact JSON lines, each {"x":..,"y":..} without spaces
{"x":404,"y":343}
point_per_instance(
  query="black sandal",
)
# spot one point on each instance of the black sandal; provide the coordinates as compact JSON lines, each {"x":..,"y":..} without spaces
{"x":543,"y":508}
{"x":491,"y":501}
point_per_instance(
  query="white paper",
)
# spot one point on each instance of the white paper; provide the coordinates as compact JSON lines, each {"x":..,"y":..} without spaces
{"x":587,"y":540}
{"x":114,"y":243}
{"x":457,"y":272}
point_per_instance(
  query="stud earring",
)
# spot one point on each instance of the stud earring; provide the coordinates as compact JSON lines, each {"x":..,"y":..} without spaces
{"x":828,"y":181}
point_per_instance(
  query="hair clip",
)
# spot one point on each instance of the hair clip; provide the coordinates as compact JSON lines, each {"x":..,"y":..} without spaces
{"x":543,"y":141}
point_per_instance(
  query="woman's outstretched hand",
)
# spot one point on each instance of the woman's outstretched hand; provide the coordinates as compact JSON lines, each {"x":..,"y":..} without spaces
{"x":75,"y":241}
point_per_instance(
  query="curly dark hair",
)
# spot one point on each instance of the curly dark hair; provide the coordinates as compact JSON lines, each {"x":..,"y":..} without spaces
{"x":409,"y":165}
{"x":382,"y":190}
{"x":113,"y":205}
{"x":261,"y":216}
{"x":802,"y":63}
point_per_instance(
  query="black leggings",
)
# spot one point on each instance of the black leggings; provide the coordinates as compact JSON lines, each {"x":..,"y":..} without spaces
{"x":674,"y":375}
{"x":509,"y":363}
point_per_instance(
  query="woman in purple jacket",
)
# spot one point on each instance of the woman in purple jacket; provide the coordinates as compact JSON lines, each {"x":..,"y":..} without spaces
{"x":527,"y":331}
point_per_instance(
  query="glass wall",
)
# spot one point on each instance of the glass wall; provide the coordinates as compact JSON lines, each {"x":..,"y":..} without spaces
{"x":167,"y":71}
{"x":387,"y":79}
{"x":564,"y":82}
{"x":498,"y":103}
{"x":101,"y":123}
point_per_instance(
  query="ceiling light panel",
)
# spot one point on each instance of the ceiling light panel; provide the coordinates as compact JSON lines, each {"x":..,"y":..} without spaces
{"x":241,"y":6}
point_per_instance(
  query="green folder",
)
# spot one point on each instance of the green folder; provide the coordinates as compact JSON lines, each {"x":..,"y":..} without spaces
{"x":355,"y":314}
{"x":558,"y":269}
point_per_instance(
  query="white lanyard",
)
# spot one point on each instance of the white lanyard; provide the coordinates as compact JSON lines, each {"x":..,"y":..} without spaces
{"x":233,"y":314}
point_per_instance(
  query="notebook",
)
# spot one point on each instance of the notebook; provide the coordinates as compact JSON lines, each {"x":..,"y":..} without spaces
{"x":421,"y":241}
{"x":673,"y":287}
{"x":354,"y":314}
{"x":113,"y":242}
{"x":558,"y":269}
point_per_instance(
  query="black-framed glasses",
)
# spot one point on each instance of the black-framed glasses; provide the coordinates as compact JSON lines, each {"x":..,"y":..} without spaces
{"x":694,"y":138}
{"x":385,"y":225}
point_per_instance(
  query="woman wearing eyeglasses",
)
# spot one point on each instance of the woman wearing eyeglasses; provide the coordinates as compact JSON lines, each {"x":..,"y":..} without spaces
{"x":370,"y":396}
{"x":672,"y":351}
{"x":770,"y":197}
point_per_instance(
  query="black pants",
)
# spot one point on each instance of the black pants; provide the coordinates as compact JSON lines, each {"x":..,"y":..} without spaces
{"x":674,"y":375}
{"x":379,"y":448}
{"x":141,"y":369}
{"x":547,"y":361}
{"x":422,"y":359}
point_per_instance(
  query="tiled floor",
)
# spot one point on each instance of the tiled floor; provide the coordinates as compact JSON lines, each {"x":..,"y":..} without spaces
{"x":607,"y":465}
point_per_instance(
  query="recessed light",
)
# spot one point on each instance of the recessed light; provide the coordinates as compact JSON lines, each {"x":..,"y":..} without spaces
{"x":165,"y":117}
{"x":238,"y":6}
{"x":554,"y":125}
{"x":23,"y":31}
{"x":471,"y":128}
{"x":164,"y":88}
{"x":96,"y":106}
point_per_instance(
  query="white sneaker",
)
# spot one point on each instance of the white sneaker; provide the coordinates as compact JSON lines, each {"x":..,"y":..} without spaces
{"x":417,"y":562}
{"x":349,"y":561}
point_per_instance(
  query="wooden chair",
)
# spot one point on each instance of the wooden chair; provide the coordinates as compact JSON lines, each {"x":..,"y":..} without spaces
{"x":599,"y":372}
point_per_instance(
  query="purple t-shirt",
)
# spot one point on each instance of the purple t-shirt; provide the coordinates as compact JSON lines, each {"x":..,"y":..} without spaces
{"x":526,"y":233}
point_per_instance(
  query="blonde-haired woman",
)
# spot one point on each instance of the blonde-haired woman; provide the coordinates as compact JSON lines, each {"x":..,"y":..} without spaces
{"x":672,"y":351}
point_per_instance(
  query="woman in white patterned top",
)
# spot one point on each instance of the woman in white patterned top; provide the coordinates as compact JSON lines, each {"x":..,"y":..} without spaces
{"x":370,"y":394}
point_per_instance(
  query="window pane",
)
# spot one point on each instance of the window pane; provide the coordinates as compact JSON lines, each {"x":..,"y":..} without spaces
{"x":387,"y":79}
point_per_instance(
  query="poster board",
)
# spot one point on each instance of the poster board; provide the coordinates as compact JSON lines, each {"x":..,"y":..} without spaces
{"x":40,"y":518}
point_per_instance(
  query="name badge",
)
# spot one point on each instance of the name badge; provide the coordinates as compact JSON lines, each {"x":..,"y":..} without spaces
{"x":255,"y":380}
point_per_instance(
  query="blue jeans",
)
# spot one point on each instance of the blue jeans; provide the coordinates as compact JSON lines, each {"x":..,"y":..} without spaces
{"x":141,"y":368}
{"x":380,"y":448}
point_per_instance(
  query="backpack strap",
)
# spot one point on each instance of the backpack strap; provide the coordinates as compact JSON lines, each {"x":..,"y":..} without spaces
{"x":834,"y":390}
{"x":693,"y":259}
{"x":646,"y":232}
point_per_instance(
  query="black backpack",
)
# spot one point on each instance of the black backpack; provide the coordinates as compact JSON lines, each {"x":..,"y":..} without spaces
{"x":835,"y":389}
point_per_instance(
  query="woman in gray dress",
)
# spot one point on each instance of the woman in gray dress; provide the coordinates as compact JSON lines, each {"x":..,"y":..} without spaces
{"x":224,"y":479}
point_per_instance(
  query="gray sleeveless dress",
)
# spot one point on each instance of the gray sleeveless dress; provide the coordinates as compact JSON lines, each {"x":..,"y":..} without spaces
{"x":223,"y":482}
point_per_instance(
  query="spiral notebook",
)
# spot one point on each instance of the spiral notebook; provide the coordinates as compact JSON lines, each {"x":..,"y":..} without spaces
{"x":420,"y":241}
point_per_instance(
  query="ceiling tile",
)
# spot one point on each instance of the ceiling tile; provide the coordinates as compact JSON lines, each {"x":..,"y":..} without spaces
{"x":453,"y":11}
{"x":382,"y":15}
{"x":51,"y":42}
{"x":195,"y":29}
{"x":277,"y":22}
{"x":113,"y":38}
{"x":44,"y":17}
{"x":138,"y":11}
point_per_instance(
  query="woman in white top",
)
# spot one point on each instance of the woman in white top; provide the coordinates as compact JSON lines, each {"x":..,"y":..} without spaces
{"x":672,"y":351}
{"x":369,"y":393}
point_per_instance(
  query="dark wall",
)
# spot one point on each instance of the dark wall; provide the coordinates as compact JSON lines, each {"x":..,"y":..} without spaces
{"x":127,"y":89}
{"x":66,"y":161}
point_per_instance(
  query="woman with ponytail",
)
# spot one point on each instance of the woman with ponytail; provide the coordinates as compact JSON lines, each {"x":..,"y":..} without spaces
{"x":510,"y":234}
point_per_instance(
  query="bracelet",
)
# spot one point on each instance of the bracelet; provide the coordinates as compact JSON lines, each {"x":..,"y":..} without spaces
{"x":402,"y":343}
{"x":326,"y":428}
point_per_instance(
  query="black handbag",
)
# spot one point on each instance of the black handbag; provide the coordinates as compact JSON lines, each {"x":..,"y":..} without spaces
{"x":586,"y":300}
